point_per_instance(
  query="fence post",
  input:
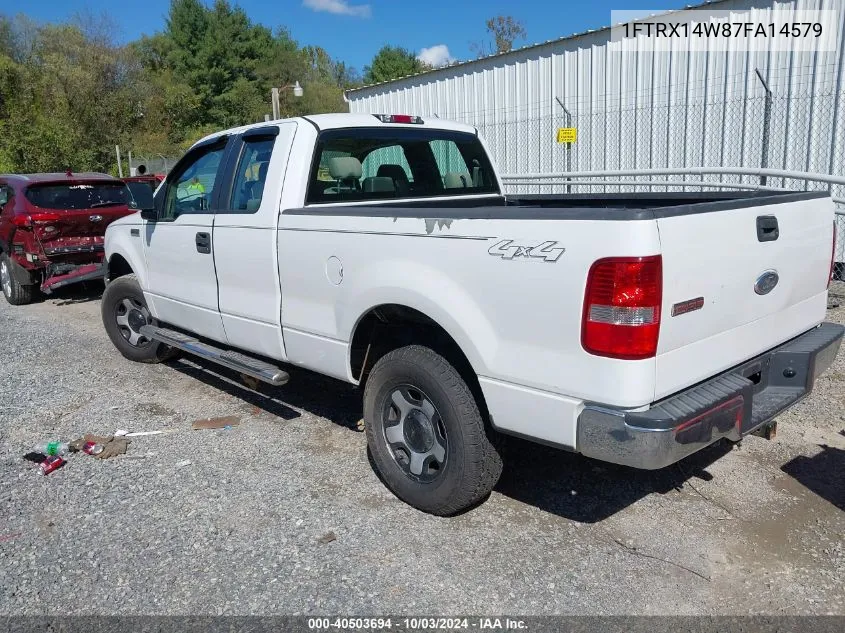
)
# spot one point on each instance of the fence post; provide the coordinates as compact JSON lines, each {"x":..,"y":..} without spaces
{"x":767,"y":114}
{"x":568,"y":145}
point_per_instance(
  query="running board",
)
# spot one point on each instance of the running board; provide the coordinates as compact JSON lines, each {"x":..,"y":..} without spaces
{"x":236,"y":361}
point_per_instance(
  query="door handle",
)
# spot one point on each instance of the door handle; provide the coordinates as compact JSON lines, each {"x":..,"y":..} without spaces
{"x":203,"y":243}
{"x":767,"y":228}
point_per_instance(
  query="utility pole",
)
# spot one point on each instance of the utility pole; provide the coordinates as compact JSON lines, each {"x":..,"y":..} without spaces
{"x":274,"y":96}
{"x":119,"y":165}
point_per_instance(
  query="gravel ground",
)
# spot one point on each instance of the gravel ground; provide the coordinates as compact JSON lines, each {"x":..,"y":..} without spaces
{"x":230,"y":521}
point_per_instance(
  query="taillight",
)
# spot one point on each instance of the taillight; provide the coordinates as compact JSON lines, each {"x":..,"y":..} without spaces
{"x":622,"y":307}
{"x":30,"y":219}
{"x":45,"y":217}
{"x":832,"y":255}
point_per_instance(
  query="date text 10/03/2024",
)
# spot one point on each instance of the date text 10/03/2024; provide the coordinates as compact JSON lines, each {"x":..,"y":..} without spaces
{"x":417,"y":624}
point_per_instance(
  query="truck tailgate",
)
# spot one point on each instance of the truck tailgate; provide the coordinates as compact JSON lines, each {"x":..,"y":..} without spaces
{"x":755,"y":288}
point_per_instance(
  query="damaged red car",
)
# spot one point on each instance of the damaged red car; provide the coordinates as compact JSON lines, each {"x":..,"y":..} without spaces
{"x":52,"y":228}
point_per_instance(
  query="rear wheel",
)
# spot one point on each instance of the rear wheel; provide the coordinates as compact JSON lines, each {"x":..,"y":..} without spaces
{"x":125,"y":312}
{"x":15,"y":292}
{"x":426,"y":434}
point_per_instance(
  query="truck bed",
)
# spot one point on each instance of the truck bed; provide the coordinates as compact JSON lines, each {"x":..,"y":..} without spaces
{"x":597,"y":206}
{"x":708,"y":242}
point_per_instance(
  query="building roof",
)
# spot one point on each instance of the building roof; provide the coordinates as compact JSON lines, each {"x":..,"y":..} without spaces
{"x":519,"y":50}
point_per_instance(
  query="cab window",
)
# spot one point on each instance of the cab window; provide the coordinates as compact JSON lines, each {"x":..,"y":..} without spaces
{"x":394,"y":163}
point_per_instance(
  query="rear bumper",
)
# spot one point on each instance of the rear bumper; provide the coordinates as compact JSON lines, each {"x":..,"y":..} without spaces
{"x":730,"y":405}
{"x":84,"y":272}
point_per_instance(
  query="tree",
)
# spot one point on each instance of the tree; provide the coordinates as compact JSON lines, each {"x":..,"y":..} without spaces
{"x":68,"y":93}
{"x":67,"y":97}
{"x":505,"y":30}
{"x":392,"y":62}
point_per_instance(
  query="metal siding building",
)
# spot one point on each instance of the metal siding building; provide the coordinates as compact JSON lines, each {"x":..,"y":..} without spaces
{"x":641,"y":109}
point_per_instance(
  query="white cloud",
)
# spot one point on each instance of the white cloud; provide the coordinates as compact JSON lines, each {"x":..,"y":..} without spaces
{"x":339,"y":7}
{"x":436,"y":56}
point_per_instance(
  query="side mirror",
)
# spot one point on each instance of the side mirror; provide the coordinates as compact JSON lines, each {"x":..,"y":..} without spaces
{"x":152,"y":207}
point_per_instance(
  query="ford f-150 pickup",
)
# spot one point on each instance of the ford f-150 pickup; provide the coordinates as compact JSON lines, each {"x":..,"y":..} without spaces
{"x":380,"y":250}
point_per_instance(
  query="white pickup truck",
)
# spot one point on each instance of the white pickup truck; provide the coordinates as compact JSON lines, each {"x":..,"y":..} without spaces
{"x":380,"y":250}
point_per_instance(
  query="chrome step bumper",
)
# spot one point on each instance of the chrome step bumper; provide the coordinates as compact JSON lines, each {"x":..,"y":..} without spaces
{"x":730,"y":405}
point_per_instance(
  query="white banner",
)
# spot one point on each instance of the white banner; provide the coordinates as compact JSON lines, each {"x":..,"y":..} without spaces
{"x":808,"y":30}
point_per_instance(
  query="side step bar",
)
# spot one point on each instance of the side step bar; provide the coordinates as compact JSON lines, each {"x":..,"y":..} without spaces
{"x":236,"y":361}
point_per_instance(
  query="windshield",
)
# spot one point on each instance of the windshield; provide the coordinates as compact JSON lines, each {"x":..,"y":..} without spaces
{"x":393,"y":163}
{"x":79,"y":196}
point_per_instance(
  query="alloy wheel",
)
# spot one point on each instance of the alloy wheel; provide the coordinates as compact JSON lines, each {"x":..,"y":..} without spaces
{"x":6,"y":279}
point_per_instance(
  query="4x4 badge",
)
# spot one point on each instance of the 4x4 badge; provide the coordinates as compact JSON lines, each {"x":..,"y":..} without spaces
{"x":546,"y":251}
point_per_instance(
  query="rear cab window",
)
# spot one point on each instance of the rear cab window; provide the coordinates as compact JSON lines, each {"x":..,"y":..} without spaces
{"x":78,"y":195}
{"x":384,"y":163}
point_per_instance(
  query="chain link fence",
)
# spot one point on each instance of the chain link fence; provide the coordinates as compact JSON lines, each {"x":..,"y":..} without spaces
{"x":797,"y":132}
{"x":157,"y":164}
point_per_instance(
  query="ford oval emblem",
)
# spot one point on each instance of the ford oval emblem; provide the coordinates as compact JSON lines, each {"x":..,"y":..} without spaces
{"x":766,"y":282}
{"x":95,"y":218}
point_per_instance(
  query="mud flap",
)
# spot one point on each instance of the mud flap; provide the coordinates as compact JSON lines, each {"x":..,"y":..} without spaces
{"x":88,"y":272}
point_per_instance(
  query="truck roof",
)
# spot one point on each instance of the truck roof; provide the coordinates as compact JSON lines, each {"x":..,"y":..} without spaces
{"x":349,"y":120}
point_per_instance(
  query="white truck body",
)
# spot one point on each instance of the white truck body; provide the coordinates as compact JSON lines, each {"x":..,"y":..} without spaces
{"x":292,"y":280}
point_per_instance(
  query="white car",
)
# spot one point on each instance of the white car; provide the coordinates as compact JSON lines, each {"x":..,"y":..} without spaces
{"x":380,"y":250}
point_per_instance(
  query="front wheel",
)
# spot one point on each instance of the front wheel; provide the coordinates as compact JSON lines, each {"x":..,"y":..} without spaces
{"x":16,"y":293}
{"x":426,"y":434}
{"x":125,"y":312}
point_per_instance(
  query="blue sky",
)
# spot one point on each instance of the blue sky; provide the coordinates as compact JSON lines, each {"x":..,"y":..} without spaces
{"x":353,"y":30}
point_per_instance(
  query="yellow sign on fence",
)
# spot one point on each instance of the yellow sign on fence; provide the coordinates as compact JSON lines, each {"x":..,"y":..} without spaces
{"x":567,"y":134}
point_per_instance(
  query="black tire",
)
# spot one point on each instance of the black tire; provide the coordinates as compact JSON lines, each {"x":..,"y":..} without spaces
{"x":471,"y":466}
{"x":16,"y":293}
{"x":119,"y":294}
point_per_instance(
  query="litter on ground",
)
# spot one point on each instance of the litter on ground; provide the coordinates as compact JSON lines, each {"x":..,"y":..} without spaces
{"x":216,"y":423}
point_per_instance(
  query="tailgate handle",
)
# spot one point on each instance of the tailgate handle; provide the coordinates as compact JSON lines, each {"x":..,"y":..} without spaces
{"x":203,"y":243}
{"x":767,"y":228}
